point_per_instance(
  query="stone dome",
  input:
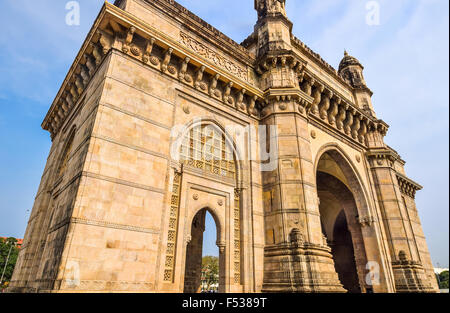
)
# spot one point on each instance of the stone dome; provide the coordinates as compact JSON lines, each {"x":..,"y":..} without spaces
{"x":347,"y":61}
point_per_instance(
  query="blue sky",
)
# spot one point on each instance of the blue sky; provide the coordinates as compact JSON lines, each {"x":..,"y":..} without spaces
{"x":405,"y":59}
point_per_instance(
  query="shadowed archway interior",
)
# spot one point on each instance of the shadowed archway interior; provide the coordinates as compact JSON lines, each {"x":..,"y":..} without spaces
{"x":338,"y":215}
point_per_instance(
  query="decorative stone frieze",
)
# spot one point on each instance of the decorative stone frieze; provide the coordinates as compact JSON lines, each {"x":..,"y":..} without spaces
{"x":203,"y":51}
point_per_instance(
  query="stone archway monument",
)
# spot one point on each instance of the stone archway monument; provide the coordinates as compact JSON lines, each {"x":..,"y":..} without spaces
{"x":162,"y":116}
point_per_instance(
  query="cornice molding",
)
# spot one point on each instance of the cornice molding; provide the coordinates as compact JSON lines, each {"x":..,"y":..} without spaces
{"x":101,"y":39}
{"x":72,"y":86}
{"x":383,"y":153}
{"x":116,"y":29}
{"x":408,"y":186}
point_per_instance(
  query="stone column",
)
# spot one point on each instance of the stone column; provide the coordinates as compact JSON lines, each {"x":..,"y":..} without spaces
{"x":296,"y":257}
{"x":408,"y":270}
{"x":223,"y":274}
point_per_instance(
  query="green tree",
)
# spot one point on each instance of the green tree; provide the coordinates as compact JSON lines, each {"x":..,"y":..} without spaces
{"x":443,"y":280}
{"x":210,"y":268}
{"x":7,"y":247}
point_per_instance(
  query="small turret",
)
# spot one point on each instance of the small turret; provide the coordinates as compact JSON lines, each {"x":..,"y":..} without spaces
{"x":351,"y":70}
{"x":273,"y":28}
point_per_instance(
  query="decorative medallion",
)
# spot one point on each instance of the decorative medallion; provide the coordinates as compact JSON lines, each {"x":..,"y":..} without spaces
{"x":230,"y":100}
{"x":313,"y":134}
{"x":358,"y":158}
{"x":220,"y":202}
{"x":217,"y":93}
{"x":195,"y":197}
{"x":186,"y":109}
{"x":203,"y":86}
{"x":135,"y":50}
{"x":172,"y":70}
{"x":282,"y":106}
{"x":154,"y":60}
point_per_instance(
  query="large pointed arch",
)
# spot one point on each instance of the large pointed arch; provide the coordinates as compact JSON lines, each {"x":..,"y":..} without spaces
{"x":352,"y":177}
{"x":343,"y":201}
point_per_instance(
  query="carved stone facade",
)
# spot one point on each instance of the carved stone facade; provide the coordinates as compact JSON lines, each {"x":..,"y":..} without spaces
{"x":305,"y":194}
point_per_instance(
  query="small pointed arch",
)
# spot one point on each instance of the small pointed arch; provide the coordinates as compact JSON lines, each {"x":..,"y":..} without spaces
{"x":64,"y":159}
{"x":194,"y":250}
{"x":220,"y":225}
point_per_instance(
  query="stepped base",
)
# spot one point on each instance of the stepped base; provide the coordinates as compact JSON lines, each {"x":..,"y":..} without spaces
{"x":300,"y":268}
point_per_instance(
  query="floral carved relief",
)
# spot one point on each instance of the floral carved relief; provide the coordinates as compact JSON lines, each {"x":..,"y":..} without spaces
{"x":207,"y":53}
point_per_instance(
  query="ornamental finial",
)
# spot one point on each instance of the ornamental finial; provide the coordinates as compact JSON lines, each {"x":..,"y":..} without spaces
{"x":265,"y":7}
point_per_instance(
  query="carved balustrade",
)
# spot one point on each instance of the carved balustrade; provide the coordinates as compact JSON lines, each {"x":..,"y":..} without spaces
{"x":333,"y":110}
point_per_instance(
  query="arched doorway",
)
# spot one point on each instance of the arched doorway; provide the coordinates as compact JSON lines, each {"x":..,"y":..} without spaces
{"x":207,"y":180}
{"x":339,"y":219}
{"x":196,"y":275}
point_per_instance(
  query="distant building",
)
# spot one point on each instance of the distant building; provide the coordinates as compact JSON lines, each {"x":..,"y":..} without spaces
{"x":439,"y":270}
{"x":19,"y":241}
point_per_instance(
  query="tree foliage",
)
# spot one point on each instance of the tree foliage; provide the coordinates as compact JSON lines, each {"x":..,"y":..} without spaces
{"x":210,"y":268}
{"x":443,"y":280}
{"x":7,"y":245}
